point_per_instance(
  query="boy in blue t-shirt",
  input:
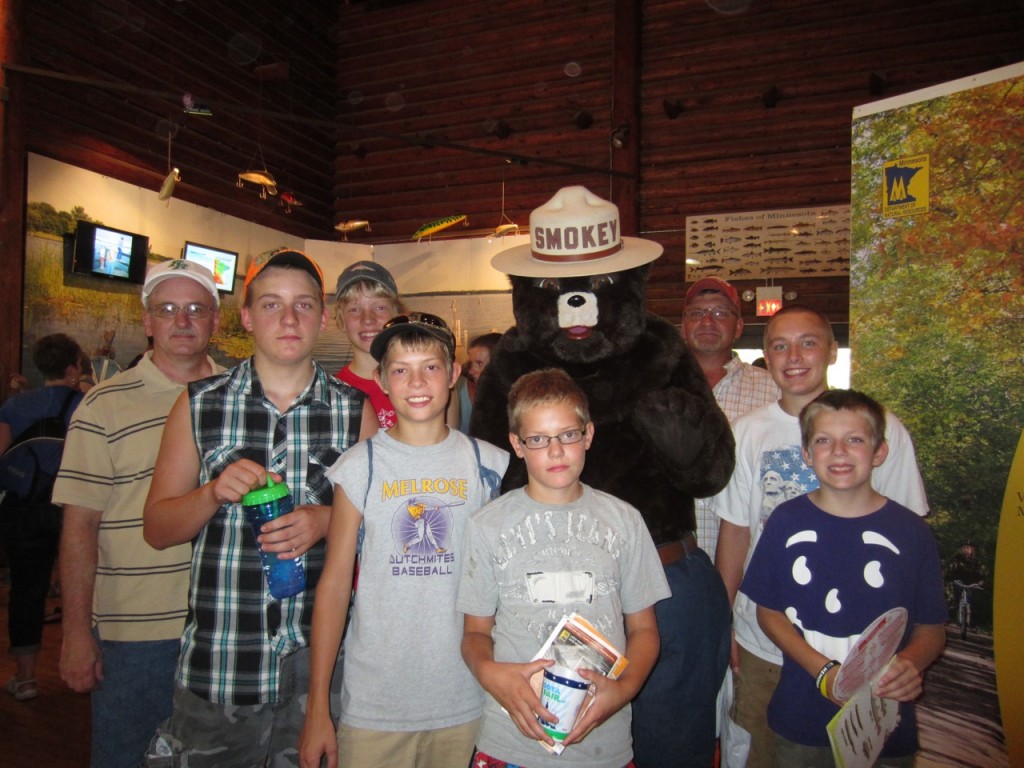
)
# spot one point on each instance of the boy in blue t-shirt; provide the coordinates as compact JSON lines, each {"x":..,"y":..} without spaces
{"x":827,"y":564}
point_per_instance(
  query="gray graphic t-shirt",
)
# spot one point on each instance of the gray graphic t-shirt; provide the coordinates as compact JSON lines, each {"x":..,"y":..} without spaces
{"x":403,"y":666}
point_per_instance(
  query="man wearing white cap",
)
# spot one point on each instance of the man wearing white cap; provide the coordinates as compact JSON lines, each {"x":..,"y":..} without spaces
{"x":578,"y":294}
{"x":124,"y":603}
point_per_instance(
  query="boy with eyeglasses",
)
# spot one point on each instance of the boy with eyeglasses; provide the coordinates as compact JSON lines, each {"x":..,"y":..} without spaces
{"x":407,"y":698}
{"x":551,"y":548}
{"x":243,"y":669}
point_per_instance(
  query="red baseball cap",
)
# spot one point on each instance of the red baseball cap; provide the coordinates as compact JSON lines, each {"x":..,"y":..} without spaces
{"x":717,"y":285}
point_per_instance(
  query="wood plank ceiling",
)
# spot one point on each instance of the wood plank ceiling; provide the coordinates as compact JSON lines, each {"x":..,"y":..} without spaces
{"x":264,"y":68}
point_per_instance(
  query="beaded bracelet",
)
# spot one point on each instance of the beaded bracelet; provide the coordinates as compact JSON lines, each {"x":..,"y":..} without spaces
{"x":819,"y":681}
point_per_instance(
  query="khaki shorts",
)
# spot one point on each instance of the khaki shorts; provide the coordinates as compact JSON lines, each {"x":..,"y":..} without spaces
{"x":790,"y":753}
{"x":439,"y":748}
{"x":753,"y":687}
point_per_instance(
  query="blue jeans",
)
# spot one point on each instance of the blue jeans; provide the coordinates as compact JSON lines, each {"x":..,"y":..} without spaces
{"x":674,"y":713}
{"x":134,"y":697}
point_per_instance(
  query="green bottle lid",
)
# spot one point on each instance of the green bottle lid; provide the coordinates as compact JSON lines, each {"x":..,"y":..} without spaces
{"x":272,"y":492}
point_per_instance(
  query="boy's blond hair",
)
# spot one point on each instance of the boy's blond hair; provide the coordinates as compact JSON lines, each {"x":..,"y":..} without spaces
{"x":415,"y":341}
{"x":843,"y":400}
{"x":545,"y":387}
{"x":370,"y":288}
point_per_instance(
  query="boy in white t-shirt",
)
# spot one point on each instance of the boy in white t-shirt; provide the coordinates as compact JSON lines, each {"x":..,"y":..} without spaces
{"x":798,"y":348}
{"x":551,"y":548}
{"x":407,"y":699}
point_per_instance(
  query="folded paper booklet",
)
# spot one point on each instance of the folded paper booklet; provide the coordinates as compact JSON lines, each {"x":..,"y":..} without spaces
{"x":865,"y":721}
{"x":577,"y":644}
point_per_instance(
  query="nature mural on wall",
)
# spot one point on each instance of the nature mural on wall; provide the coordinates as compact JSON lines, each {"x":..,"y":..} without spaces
{"x":450,"y":278}
{"x":937,"y":301}
{"x":937,"y":316}
{"x":105,"y":316}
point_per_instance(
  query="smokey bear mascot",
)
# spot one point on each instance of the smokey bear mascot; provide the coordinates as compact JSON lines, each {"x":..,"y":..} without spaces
{"x":579,"y":299}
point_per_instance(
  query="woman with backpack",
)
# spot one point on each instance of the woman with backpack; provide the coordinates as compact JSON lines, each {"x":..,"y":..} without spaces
{"x":32,"y":427}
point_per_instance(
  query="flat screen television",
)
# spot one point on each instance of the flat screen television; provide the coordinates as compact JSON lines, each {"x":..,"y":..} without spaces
{"x":219,"y":261}
{"x":107,"y":252}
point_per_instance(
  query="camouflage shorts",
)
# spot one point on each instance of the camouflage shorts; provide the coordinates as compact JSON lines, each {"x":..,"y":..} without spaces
{"x":203,"y":734}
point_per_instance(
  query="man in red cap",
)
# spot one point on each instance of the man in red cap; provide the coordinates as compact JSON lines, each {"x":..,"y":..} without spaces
{"x":712,"y":321}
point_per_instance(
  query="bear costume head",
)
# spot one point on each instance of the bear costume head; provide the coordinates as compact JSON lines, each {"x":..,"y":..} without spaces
{"x":579,"y":300}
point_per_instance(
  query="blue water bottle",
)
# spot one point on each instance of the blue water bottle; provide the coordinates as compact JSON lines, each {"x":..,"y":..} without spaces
{"x":284,"y":577}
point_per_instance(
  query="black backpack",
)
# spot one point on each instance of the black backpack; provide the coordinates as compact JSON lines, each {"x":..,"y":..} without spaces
{"x":29,"y":466}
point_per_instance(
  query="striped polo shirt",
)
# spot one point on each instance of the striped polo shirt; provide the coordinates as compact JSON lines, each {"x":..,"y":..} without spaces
{"x":111,"y":448}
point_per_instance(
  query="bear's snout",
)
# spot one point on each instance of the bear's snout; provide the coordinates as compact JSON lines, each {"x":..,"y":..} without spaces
{"x":577,"y":309}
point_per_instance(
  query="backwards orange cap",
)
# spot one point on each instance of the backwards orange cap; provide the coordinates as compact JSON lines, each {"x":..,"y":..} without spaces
{"x":283,"y":257}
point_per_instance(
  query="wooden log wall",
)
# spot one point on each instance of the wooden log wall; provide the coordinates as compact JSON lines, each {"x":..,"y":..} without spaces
{"x":728,"y":151}
{"x":403,"y":112}
{"x":102,"y":83}
{"x":492,"y":88}
{"x":707,"y":142}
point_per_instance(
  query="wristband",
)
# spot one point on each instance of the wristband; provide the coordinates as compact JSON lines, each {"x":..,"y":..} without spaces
{"x":819,"y":681}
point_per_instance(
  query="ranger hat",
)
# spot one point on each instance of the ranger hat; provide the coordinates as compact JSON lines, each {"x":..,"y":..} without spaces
{"x":573,"y":234}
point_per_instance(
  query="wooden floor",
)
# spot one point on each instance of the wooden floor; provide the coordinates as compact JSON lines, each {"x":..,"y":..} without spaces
{"x":52,"y":730}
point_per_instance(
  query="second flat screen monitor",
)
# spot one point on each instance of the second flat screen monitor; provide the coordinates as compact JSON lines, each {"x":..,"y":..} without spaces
{"x":220,"y":262}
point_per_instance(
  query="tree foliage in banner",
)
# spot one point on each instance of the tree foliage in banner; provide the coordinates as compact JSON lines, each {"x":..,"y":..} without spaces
{"x":937,"y":299}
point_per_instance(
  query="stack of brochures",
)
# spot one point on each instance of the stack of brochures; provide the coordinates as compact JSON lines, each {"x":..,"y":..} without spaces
{"x":577,"y":644}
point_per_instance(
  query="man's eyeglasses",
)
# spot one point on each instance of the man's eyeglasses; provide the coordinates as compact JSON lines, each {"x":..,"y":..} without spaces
{"x":570,"y":436}
{"x":718,"y":313}
{"x":170,"y":311}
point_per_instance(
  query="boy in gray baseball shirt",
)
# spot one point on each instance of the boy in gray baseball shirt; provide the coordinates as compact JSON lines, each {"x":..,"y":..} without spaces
{"x":407,"y":698}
